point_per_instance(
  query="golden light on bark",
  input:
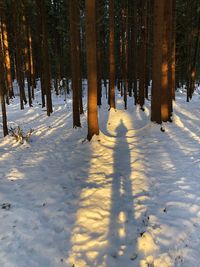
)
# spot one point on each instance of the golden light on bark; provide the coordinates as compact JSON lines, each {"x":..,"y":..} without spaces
{"x":6,"y":55}
{"x":193,"y":74}
{"x":31,"y":53}
{"x":164,"y":74}
{"x":165,"y":111}
{"x":165,"y":82}
{"x":91,"y":56}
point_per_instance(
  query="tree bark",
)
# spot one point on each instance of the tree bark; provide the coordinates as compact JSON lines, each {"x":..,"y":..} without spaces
{"x":91,"y":50}
{"x":111,"y":55}
{"x":157,"y":61}
{"x":75,"y":60}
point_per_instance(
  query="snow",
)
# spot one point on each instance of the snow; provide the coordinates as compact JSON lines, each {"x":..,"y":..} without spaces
{"x":130,"y":197}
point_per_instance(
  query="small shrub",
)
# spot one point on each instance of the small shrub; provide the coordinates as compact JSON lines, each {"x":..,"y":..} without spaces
{"x":19,"y":135}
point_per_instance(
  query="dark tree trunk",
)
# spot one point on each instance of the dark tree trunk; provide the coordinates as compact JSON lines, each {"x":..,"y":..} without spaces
{"x":75,"y":61}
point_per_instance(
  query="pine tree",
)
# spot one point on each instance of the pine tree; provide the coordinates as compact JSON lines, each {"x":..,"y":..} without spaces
{"x":111,"y":100}
{"x":75,"y":60}
{"x":91,"y":50}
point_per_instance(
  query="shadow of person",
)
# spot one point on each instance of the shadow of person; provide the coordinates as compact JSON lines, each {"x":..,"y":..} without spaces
{"x":120,"y":239}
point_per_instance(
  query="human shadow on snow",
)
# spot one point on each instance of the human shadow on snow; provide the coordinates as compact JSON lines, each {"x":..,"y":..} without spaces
{"x":120,"y":232}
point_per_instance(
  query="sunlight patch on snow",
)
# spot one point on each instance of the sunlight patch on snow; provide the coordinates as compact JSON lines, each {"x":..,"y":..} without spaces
{"x":122,"y":216}
{"x":4,"y":142}
{"x":180,"y":124}
{"x":147,"y":111}
{"x":5,"y":156}
{"x":138,"y":113}
{"x":92,"y":217}
{"x":121,"y":232}
{"x":34,"y":161}
{"x":185,"y":112}
{"x":14,"y":174}
{"x":50,"y":125}
{"x":114,"y":122}
{"x":108,"y":200}
{"x":147,"y":244}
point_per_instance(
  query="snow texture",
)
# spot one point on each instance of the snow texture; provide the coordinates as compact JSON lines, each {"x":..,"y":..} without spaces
{"x":130,"y":197}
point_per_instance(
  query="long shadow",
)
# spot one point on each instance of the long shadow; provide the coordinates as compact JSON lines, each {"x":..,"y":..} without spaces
{"x":120,"y":239}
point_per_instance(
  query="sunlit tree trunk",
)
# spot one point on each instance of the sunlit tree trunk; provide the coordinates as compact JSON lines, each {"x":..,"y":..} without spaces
{"x":125,"y":51}
{"x":157,"y":61}
{"x":162,"y":62}
{"x":91,"y":50}
{"x":3,"y":88}
{"x":165,"y":67}
{"x":130,"y":47}
{"x":7,"y":58}
{"x":111,"y":55}
{"x":99,"y":56}
{"x":173,"y":48}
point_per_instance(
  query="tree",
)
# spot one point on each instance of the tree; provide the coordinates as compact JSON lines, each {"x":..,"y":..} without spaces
{"x":142,"y":51}
{"x":19,"y":48}
{"x":91,"y":50}
{"x":6,"y":52}
{"x":166,"y":79}
{"x":157,"y":61}
{"x":46,"y":81}
{"x":149,"y":40}
{"x":75,"y":60}
{"x":3,"y":90}
{"x":111,"y":99}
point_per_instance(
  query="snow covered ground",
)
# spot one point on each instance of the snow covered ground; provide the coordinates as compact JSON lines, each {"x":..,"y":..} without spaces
{"x":131,"y":197}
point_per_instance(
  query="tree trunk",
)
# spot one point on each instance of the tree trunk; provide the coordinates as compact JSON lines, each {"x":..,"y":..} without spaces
{"x":45,"y":55}
{"x":165,"y":82}
{"x":7,"y":58}
{"x":99,"y":56}
{"x":75,"y":60}
{"x":91,"y":50}
{"x":27,"y":60}
{"x":157,"y":61}
{"x":173,"y":48}
{"x":111,"y":55}
{"x":135,"y":54}
{"x":143,"y":34}
{"x":3,"y":86}
{"x":19,"y":44}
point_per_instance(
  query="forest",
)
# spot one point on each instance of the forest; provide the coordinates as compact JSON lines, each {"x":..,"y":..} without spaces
{"x":132,"y":44}
{"x":99,"y":133}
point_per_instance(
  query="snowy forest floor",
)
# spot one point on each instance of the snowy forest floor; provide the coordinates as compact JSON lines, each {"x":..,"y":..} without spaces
{"x":130,"y":197}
